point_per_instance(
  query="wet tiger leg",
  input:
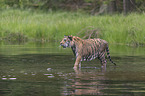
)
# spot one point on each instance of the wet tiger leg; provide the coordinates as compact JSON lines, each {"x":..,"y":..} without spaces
{"x":103,"y":62}
{"x":77,"y":62}
{"x":80,"y":64}
{"x":103,"y":59}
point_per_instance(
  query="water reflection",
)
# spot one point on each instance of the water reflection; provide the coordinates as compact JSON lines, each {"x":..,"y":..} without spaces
{"x":96,"y":82}
{"x":85,"y":83}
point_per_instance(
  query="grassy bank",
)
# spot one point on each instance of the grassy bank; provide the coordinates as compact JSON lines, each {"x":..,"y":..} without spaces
{"x":52,"y":26}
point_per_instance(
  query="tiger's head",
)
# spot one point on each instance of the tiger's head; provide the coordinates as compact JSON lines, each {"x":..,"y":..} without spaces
{"x":66,"y":41}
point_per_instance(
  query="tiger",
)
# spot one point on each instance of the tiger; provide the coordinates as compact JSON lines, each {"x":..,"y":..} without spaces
{"x":87,"y":49}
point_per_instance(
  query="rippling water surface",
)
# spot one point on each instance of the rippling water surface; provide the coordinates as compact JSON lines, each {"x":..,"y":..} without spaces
{"x":47,"y":70}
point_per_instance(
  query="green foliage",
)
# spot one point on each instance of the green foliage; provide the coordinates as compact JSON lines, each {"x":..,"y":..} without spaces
{"x":52,"y":26}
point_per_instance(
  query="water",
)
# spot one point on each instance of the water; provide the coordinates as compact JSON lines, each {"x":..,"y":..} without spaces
{"x":35,"y":69}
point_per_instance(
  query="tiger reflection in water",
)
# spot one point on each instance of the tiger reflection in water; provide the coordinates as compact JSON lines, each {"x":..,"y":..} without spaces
{"x":86,"y":50}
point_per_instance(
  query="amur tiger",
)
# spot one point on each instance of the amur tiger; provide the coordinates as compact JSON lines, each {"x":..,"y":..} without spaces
{"x":86,"y":50}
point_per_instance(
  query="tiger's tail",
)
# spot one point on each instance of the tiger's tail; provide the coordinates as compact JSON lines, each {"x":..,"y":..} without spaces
{"x":108,"y":55}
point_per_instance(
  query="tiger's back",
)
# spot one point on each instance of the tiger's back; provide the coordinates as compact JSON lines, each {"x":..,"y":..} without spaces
{"x":91,"y":48}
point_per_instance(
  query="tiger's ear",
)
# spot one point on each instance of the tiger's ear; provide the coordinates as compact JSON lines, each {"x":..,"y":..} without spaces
{"x":70,"y":37}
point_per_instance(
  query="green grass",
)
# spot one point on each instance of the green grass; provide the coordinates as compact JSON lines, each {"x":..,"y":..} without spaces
{"x":52,"y":26}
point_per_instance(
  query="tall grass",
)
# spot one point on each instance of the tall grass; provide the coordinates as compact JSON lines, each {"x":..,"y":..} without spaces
{"x":52,"y":26}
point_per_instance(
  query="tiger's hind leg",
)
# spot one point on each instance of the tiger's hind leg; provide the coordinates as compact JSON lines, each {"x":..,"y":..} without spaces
{"x":103,"y":63}
{"x":103,"y":60}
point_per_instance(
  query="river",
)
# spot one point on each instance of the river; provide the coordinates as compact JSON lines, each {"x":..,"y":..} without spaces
{"x":46,"y":69}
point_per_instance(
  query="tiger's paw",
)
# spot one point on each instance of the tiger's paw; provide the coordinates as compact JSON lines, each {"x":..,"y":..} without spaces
{"x":75,"y":68}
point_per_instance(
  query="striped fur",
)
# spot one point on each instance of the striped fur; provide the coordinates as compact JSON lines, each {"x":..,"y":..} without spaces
{"x":86,"y":50}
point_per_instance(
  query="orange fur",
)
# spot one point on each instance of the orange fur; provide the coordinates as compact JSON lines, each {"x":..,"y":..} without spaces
{"x":86,"y":49}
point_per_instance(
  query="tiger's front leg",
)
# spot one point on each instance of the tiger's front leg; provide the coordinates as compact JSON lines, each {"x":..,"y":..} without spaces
{"x":78,"y":59}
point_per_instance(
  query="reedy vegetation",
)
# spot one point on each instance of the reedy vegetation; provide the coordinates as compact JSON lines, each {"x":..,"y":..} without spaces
{"x":52,"y":26}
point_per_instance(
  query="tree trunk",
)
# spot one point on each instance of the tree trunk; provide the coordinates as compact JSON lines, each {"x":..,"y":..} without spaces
{"x":132,"y":5}
{"x":125,"y":6}
{"x":112,"y":7}
{"x":128,"y":6}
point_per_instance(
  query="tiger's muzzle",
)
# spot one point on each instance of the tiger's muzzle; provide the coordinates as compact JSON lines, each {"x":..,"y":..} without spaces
{"x":65,"y":45}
